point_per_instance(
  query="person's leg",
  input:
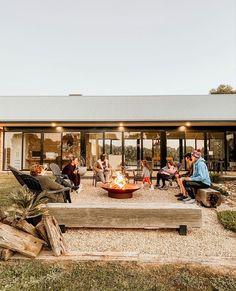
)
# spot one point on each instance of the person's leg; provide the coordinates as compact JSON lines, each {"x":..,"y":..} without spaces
{"x":192,"y":186}
{"x":107,"y":176}
{"x":181,"y":186}
{"x":158,"y":179}
{"x":101,"y":177}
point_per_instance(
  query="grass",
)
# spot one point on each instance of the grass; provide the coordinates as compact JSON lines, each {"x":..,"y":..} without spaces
{"x":38,"y":276}
{"x":228,"y":219}
{"x":7,"y":184}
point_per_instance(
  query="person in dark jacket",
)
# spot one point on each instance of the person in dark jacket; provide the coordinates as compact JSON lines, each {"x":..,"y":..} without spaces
{"x":71,"y":170}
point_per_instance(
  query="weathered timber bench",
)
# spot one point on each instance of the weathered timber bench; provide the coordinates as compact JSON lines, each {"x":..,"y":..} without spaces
{"x":127,"y":215}
{"x":208,"y":197}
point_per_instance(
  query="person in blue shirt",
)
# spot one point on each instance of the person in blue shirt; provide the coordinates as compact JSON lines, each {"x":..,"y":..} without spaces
{"x":199,"y":179}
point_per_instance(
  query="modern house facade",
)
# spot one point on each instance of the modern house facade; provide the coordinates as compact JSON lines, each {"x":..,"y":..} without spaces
{"x":47,"y":129}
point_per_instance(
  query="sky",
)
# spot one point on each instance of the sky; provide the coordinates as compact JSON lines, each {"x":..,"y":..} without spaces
{"x":116,"y":47}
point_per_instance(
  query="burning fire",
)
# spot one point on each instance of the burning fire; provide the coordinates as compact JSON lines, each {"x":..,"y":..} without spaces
{"x":119,"y":182}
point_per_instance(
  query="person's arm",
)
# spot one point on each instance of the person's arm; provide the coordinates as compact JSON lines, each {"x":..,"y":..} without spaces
{"x":95,"y":167}
{"x":199,"y":174}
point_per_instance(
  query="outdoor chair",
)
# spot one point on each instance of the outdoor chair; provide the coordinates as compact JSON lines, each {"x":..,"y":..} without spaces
{"x":17,"y":174}
{"x":34,"y":186}
{"x":59,"y":176}
{"x":96,"y":178}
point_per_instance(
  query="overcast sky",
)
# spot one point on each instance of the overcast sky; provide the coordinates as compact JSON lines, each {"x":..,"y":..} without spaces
{"x":112,"y":47}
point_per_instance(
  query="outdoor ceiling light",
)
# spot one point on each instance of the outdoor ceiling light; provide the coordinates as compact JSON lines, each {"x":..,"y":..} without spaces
{"x":188,"y":124}
{"x":53,"y":124}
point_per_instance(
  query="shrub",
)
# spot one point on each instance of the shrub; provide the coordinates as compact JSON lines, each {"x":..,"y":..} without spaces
{"x":228,"y":219}
{"x":216,"y":178}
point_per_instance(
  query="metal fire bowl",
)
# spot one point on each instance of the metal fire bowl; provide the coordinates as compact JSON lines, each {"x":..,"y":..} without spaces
{"x":118,"y":193}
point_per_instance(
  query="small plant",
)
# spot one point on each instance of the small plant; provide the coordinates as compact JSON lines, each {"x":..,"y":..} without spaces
{"x":228,"y":219}
{"x":215,"y":178}
{"x":25,"y":204}
{"x":222,"y":191}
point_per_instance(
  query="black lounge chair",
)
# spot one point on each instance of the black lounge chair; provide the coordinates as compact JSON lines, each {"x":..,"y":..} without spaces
{"x":34,"y":186}
{"x":17,"y":174}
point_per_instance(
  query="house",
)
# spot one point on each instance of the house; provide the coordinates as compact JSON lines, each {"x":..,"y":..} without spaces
{"x":44,"y":129}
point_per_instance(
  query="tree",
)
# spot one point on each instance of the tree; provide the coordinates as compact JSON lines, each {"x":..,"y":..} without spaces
{"x":223,"y":89}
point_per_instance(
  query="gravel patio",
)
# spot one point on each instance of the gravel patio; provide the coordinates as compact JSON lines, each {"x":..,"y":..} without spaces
{"x":212,"y":240}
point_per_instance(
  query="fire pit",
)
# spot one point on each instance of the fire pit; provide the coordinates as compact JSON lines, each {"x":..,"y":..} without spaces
{"x":119,"y":188}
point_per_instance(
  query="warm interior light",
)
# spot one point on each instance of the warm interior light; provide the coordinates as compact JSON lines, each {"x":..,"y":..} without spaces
{"x":59,"y":128}
{"x":121,"y":124}
{"x":53,"y":124}
{"x":188,"y":124}
{"x":182,"y":128}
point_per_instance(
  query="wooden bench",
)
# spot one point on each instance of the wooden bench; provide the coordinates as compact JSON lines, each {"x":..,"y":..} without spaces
{"x":208,"y":197}
{"x":127,"y":215}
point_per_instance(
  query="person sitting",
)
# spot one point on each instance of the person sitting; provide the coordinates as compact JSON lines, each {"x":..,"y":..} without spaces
{"x":46,"y":183}
{"x":199,"y":179}
{"x":103,"y":169}
{"x":189,"y":165}
{"x":71,"y":170}
{"x":146,"y":173}
{"x":165,"y":173}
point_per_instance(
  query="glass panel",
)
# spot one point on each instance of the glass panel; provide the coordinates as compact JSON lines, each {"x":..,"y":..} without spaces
{"x":216,"y":145}
{"x":52,"y":148}
{"x":32,"y":149}
{"x":132,"y":152}
{"x":173,"y":144}
{"x":94,"y":148}
{"x":13,"y":149}
{"x":194,"y":140}
{"x":151,"y":148}
{"x":113,"y":148}
{"x":70,"y":146}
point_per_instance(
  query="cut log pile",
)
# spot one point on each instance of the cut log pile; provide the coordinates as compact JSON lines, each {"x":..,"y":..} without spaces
{"x":22,"y":237}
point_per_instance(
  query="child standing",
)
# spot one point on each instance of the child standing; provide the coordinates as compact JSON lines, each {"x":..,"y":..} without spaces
{"x":146,"y":173}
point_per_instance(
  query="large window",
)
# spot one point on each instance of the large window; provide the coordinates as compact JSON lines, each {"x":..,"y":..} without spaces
{"x":70,"y":146}
{"x":151,"y":148}
{"x":132,"y":154}
{"x":32,"y":149}
{"x":175,"y":140}
{"x":52,"y":148}
{"x":94,"y":148}
{"x":194,"y":140}
{"x":13,"y":149}
{"x":113,"y":148}
{"x":216,"y":145}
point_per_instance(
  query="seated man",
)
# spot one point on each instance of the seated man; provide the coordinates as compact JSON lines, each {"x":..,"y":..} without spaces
{"x":46,"y":183}
{"x":72,"y":172}
{"x":199,"y":179}
{"x":103,"y":169}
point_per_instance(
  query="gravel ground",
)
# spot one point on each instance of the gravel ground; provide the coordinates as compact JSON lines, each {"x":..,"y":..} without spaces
{"x":210,"y":240}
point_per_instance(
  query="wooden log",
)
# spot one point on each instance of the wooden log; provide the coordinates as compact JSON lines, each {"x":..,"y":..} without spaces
{"x":8,"y":220}
{"x":209,"y":197}
{"x":5,"y":254}
{"x":2,"y":214}
{"x":55,"y":236}
{"x":40,"y":228}
{"x":19,"y":241}
{"x":26,"y":227}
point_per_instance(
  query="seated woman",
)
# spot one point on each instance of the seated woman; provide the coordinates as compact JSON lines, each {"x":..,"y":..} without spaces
{"x":46,"y":183}
{"x":165,"y":173}
{"x":103,"y":169}
{"x":72,"y":172}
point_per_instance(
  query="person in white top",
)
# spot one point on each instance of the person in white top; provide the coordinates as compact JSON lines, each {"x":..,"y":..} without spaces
{"x":103,"y":169}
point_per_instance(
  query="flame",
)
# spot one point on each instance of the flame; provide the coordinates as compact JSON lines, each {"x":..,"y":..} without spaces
{"x":119,"y":182}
